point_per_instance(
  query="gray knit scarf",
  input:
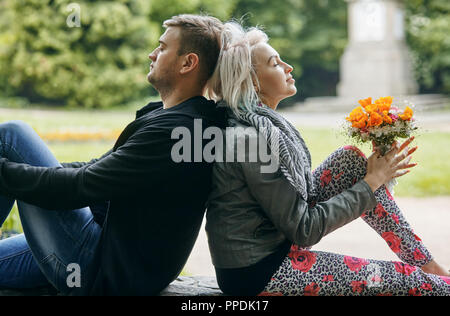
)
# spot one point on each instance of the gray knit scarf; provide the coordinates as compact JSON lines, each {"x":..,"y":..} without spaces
{"x":293,"y":154}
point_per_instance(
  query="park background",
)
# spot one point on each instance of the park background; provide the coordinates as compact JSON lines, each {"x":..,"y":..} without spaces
{"x":78,"y":87}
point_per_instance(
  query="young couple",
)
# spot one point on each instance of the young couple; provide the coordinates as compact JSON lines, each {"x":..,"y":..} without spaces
{"x":129,"y":219}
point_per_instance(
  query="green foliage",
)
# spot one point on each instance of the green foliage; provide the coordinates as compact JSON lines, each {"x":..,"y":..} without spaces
{"x":102,"y":63}
{"x":428,"y":35}
{"x":309,"y":35}
{"x":312,"y":35}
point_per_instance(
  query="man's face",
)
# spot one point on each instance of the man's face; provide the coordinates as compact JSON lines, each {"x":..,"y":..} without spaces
{"x":165,"y":60}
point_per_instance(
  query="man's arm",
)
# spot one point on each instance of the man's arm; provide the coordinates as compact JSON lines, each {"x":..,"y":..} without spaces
{"x":136,"y":167}
{"x":79,"y":164}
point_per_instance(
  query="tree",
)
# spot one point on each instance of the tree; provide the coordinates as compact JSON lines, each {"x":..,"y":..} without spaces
{"x":103,"y":62}
{"x":309,"y":35}
{"x":428,"y":29}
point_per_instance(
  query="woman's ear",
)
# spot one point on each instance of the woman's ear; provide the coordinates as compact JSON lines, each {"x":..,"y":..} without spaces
{"x":189,"y":63}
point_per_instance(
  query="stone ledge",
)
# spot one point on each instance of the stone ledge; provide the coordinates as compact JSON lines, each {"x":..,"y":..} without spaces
{"x":193,"y":286}
{"x":44,"y":291}
{"x":182,"y":286}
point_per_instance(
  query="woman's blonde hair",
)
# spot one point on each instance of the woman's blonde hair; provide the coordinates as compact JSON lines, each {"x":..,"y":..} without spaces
{"x":234,"y":78}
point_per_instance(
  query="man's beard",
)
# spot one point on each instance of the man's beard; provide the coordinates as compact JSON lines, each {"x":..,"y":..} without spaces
{"x":162,"y":84}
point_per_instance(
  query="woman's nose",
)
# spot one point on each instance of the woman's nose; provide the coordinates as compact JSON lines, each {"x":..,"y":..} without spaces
{"x":289,"y":68}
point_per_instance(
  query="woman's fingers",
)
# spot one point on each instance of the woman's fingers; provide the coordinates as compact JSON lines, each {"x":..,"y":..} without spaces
{"x":405,"y":164}
{"x":406,"y":144}
{"x":393,"y":151}
{"x":406,"y":153}
{"x":401,"y":173}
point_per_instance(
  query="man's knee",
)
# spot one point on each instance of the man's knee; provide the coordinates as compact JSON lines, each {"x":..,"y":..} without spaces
{"x":13,"y":127}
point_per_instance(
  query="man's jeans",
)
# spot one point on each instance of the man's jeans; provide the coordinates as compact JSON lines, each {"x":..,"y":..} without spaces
{"x":52,"y":239}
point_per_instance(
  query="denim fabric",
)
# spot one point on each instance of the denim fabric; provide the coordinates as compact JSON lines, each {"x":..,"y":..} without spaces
{"x":52,"y":239}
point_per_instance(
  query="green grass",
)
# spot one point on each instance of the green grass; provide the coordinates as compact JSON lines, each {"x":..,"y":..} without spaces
{"x":429,"y":178}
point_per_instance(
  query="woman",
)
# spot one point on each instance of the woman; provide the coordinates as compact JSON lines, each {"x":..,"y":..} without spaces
{"x":261,"y":224}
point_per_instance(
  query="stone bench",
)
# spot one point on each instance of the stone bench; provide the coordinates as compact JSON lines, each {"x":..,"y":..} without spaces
{"x":182,"y":286}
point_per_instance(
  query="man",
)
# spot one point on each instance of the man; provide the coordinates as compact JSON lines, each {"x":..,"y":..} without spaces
{"x":145,"y":210}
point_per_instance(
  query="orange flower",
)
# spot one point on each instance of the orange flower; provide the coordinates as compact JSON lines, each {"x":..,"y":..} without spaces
{"x":375,"y":119}
{"x":384,"y":104}
{"x":386,"y":117}
{"x":365,"y":102}
{"x":371,"y":108}
{"x":407,"y":114}
{"x":386,"y":100}
{"x":358,"y":118}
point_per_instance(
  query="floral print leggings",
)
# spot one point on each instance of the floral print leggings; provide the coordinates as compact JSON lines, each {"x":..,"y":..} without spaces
{"x":306,"y":272}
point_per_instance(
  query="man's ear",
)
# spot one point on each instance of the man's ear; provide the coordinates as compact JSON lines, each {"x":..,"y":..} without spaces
{"x":189,"y":63}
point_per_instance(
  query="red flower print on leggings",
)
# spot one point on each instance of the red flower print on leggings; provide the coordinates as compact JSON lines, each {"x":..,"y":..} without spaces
{"x":418,"y":255}
{"x":389,"y":194}
{"x":328,"y":278}
{"x":312,"y":289}
{"x":445,"y":279}
{"x":395,"y":218}
{"x":355,"y":264}
{"x":403,"y":268}
{"x":392,"y":240}
{"x":427,"y":287}
{"x":380,"y":211}
{"x":414,"y":292}
{"x":358,"y":286}
{"x":302,"y":260}
{"x":325,"y":178}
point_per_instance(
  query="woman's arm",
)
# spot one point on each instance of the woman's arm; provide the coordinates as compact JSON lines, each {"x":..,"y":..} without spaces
{"x":305,"y":225}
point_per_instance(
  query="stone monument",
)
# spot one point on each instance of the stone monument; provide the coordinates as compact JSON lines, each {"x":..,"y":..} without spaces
{"x":376,"y":61}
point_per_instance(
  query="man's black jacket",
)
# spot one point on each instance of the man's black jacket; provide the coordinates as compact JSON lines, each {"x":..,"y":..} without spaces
{"x":155,"y":204}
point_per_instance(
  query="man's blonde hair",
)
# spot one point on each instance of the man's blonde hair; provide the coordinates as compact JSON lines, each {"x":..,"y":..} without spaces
{"x":200,"y":34}
{"x":234,"y":79}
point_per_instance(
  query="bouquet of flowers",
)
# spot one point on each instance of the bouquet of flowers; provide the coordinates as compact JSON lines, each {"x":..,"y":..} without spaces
{"x":380,"y":123}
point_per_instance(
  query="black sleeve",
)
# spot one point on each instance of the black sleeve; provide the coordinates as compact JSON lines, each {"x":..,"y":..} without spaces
{"x":134,"y":168}
{"x":79,"y":164}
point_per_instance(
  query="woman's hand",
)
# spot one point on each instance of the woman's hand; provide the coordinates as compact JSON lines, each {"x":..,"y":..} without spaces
{"x":396,"y":162}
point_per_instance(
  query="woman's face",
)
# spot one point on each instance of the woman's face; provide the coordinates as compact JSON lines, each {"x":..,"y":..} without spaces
{"x":274,"y":75}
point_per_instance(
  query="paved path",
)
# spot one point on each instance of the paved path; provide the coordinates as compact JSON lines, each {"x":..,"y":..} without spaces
{"x":430,"y":218}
